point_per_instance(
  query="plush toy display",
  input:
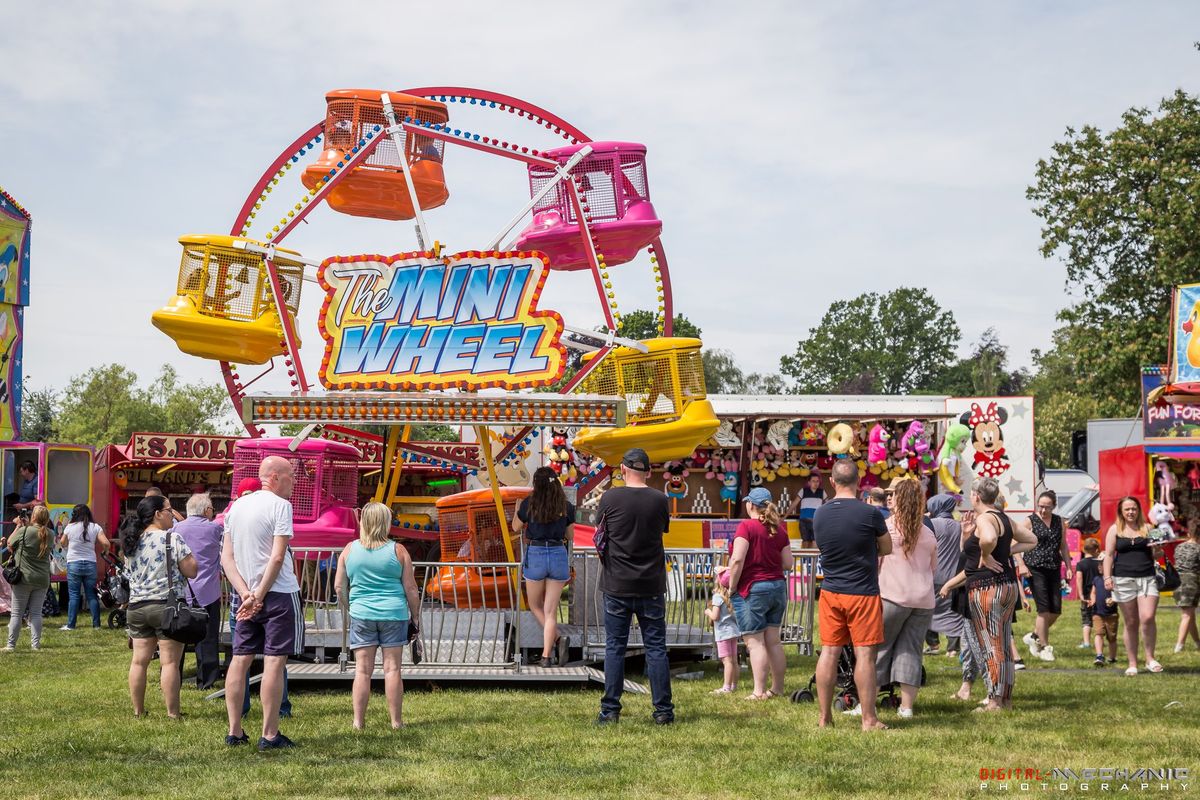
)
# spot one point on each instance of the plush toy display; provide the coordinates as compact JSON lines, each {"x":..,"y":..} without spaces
{"x":950,"y":466}
{"x":723,"y":461}
{"x":697,"y":461}
{"x":877,"y":450}
{"x":806,"y":434}
{"x":1194,"y":476}
{"x":1165,"y":481}
{"x":908,"y":442}
{"x":558,"y":456}
{"x":675,"y":474}
{"x":840,"y":440}
{"x":726,"y":436}
{"x":729,"y":486}
{"x":1161,"y":517}
{"x":778,"y":434}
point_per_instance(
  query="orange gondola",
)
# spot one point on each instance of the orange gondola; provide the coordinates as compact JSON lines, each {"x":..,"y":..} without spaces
{"x":471,"y":532}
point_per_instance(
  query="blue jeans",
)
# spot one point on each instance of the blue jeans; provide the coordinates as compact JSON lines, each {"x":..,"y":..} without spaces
{"x":285,"y":705}
{"x":652,"y":617}
{"x":82,"y":574}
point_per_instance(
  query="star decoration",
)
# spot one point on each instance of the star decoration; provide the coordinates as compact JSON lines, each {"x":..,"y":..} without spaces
{"x":1020,"y":410}
{"x":1023,"y":500}
{"x":1013,"y":486}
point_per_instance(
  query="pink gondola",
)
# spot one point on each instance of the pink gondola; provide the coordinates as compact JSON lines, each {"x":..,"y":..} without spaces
{"x":614,"y":188}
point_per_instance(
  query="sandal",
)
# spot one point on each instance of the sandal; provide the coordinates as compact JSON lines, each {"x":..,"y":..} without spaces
{"x":757,"y":697}
{"x":772,"y":694}
{"x":723,"y":690}
{"x":1132,"y":671}
{"x":1154,"y":666}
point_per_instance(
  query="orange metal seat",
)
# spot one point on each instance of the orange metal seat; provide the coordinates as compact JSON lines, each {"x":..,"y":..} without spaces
{"x":376,"y":188}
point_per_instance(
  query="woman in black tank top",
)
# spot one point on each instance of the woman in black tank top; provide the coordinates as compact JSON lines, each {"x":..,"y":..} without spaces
{"x":1129,"y":575}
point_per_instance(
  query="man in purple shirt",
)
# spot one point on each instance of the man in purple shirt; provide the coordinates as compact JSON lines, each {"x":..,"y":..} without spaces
{"x":203,"y":536}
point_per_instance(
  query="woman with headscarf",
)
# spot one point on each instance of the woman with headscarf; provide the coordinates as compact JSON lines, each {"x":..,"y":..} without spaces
{"x":948,"y":533}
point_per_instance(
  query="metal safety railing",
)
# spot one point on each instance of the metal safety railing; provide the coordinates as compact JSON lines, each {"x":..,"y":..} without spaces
{"x":690,"y":582}
{"x":470,"y":612}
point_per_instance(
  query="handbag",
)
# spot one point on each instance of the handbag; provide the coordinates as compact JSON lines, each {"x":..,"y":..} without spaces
{"x":414,"y":638}
{"x":12,"y":573}
{"x":600,"y":537}
{"x":960,"y":602}
{"x":1166,"y":577}
{"x":182,"y":621}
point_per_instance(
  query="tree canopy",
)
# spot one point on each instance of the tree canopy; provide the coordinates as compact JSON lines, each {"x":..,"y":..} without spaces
{"x":892,"y":343}
{"x":105,"y":405}
{"x":1121,"y":211}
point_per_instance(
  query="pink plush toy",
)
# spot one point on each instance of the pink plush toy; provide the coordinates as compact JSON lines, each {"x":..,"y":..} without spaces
{"x":877,"y":449}
{"x":910,"y":439}
{"x":1166,"y":482}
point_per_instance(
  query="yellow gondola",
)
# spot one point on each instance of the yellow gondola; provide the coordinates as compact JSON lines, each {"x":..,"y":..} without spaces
{"x":223,"y":307}
{"x":668,"y":413}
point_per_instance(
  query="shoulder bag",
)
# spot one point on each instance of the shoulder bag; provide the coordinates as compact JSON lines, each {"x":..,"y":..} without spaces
{"x":1166,"y":577}
{"x":12,"y":572}
{"x":182,"y":621}
{"x":600,"y":537}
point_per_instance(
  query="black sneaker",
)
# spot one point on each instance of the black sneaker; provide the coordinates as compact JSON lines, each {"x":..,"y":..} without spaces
{"x":664,"y":719}
{"x":1099,"y":662}
{"x":234,"y":741}
{"x":279,"y":742}
{"x":608,"y":718}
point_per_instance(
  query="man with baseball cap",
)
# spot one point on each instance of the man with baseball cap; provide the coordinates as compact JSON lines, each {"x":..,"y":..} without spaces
{"x":633,"y":579}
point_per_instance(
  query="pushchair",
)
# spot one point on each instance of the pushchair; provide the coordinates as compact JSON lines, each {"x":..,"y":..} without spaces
{"x":114,"y":591}
{"x":845,"y":695}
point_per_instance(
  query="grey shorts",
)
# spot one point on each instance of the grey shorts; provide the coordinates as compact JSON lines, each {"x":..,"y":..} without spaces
{"x":144,"y":620}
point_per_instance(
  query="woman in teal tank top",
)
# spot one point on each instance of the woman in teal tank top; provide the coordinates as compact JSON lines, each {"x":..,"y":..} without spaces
{"x":375,"y":576}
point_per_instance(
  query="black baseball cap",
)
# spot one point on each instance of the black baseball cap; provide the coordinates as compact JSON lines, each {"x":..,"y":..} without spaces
{"x":636,"y":458}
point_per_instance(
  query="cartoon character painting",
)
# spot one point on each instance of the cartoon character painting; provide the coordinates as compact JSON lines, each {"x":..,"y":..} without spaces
{"x":987,"y":438}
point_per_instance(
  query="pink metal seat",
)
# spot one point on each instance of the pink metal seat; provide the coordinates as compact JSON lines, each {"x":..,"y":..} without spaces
{"x":614,"y":191}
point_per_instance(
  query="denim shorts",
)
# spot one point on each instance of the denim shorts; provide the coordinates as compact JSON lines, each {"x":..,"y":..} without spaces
{"x":762,"y":608}
{"x":546,"y":562}
{"x":378,"y":633}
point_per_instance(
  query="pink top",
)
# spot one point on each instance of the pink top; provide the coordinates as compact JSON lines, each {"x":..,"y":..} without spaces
{"x":908,"y":581}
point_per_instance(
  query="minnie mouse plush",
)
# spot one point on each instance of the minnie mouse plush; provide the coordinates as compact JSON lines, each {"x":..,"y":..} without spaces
{"x":987,"y":437}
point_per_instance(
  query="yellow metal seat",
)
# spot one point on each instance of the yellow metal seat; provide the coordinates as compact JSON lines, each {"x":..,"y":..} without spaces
{"x":223,"y":308}
{"x":667,"y":410}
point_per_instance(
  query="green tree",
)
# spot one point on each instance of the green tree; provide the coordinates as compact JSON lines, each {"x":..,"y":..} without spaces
{"x":39,"y":412}
{"x":1122,"y":211}
{"x":642,"y":324}
{"x":105,"y":405}
{"x":721,"y":372}
{"x":984,"y":372}
{"x":894,"y":343}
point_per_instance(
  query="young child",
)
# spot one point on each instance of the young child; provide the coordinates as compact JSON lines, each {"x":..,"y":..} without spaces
{"x":725,"y":630}
{"x":1104,"y":621}
{"x":1089,"y":565}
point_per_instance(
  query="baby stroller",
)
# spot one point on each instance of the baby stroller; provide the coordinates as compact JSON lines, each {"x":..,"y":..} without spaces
{"x":114,"y":591}
{"x":845,"y":695}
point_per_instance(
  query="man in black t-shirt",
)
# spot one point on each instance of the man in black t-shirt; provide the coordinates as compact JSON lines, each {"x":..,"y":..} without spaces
{"x":633,"y":578}
{"x":851,"y":536}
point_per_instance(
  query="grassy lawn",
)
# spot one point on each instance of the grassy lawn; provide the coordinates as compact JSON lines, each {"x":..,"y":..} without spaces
{"x":67,"y":731}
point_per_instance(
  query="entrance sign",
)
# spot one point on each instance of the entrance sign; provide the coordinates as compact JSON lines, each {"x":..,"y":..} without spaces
{"x":412,"y":322}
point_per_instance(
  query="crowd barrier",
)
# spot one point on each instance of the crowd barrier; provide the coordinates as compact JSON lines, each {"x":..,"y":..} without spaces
{"x":472,"y":613}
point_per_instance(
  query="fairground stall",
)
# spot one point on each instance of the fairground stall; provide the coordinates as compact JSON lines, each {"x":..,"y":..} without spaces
{"x":455,"y":337}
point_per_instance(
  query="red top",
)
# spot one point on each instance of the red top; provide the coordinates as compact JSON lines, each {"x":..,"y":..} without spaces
{"x":764,"y":559}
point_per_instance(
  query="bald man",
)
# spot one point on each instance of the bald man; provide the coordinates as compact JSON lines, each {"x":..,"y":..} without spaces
{"x":270,"y":616}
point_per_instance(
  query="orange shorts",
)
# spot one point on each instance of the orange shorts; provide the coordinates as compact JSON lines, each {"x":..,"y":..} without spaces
{"x":850,"y":619}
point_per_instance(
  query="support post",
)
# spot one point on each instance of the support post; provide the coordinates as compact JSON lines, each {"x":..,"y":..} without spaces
{"x":401,"y":147}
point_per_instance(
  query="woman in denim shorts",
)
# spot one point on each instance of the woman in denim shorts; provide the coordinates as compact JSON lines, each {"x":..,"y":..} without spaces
{"x":761,"y":554}
{"x":377,"y":576}
{"x":548,"y":521}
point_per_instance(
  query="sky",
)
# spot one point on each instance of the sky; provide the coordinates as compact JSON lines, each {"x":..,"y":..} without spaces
{"x":799,"y":153}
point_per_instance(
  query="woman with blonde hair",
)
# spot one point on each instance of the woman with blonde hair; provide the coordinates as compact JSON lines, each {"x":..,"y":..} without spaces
{"x":761,"y":555}
{"x":906,"y":588}
{"x":30,"y":546}
{"x":375,"y":576}
{"x":1129,"y":575}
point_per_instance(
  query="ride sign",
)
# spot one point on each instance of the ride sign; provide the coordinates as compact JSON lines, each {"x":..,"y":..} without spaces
{"x":412,"y":321}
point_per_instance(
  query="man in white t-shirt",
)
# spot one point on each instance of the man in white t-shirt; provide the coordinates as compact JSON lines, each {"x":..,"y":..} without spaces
{"x":270,"y":616}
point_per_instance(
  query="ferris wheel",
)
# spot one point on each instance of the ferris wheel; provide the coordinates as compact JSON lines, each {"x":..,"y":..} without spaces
{"x":382,"y":155}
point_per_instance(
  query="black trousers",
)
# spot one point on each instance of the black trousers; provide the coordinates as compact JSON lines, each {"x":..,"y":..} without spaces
{"x":208,"y":650}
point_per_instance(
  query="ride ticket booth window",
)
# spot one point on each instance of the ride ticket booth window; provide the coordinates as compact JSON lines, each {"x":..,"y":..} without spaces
{"x":68,"y":477}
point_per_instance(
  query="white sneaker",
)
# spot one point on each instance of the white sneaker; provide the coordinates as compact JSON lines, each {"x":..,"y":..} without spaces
{"x":10,"y":649}
{"x":66,"y":628}
{"x":1178,"y":648}
{"x":905,"y":713}
{"x":1046,"y":653}
{"x":1032,"y":642}
{"x":854,"y":712}
{"x":1019,"y":665}
{"x":1083,"y":646}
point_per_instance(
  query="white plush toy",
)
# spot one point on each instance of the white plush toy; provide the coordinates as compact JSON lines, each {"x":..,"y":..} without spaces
{"x":1161,"y":517}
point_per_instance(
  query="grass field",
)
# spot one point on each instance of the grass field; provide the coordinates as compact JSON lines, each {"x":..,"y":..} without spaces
{"x":66,"y":730}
